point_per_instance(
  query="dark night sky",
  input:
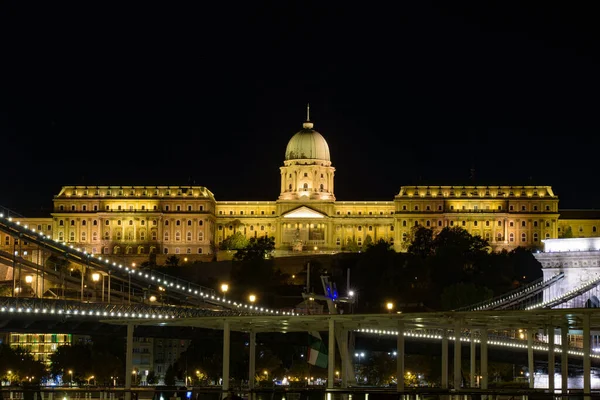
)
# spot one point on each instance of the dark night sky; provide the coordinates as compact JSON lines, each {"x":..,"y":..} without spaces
{"x":404,"y":92}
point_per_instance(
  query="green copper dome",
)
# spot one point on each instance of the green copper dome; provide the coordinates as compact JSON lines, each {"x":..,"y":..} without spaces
{"x":307,"y":144}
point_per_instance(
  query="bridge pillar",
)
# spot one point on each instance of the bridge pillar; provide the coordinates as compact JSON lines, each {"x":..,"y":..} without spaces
{"x":473,"y":360}
{"x":331,"y":355}
{"x":344,"y":356}
{"x":129,"y":360}
{"x":484,"y":358}
{"x":252,"y":361}
{"x":551,"y":359}
{"x":564,"y":358}
{"x":444,"y":359}
{"x":587,"y":383}
{"x":400,"y":358}
{"x":226,"y":350}
{"x":457,"y":354}
{"x":530,"y":360}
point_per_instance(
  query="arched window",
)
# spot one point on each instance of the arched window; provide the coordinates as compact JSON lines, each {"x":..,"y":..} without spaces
{"x":511,"y":237}
{"x":523,"y":237}
{"x":305,"y":186}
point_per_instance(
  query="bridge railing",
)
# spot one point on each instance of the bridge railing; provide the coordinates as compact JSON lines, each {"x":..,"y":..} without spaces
{"x":514,"y":295}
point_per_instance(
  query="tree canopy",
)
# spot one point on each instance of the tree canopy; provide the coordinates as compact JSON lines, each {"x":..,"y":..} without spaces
{"x":257,"y":248}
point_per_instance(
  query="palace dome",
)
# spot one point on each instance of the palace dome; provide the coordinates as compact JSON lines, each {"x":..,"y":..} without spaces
{"x":307,"y":144}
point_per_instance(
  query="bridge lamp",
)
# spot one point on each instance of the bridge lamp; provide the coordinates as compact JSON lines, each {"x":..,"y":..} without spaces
{"x":29,"y":279}
{"x":95,"y":277}
{"x":152,"y":299}
{"x":224,"y":288}
{"x":252,"y":298}
{"x":389,"y":306}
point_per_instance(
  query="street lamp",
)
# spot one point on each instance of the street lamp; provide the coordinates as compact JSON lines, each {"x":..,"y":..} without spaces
{"x":359,"y":356}
{"x":89,"y":379}
{"x":71,"y":373}
{"x":9,"y":373}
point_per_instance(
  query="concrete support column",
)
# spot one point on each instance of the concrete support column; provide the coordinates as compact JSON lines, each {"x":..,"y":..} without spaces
{"x":252,"y":361}
{"x":484,"y":359}
{"x":551,"y":359}
{"x":530,"y":360}
{"x":445,"y":359}
{"x":457,"y":355}
{"x":587,"y":382}
{"x":564,"y":358}
{"x":473,"y":360}
{"x":331,"y":355}
{"x":226,"y":350}
{"x":129,"y":360}
{"x":344,"y":356}
{"x":400,"y":358}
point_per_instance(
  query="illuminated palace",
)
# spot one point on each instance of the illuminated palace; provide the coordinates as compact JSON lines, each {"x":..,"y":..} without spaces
{"x":188,"y":221}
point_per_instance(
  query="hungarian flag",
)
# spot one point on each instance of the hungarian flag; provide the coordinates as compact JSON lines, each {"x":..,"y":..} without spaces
{"x":317,"y":351}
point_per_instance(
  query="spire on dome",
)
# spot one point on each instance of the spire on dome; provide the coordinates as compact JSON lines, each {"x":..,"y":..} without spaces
{"x":307,"y":124}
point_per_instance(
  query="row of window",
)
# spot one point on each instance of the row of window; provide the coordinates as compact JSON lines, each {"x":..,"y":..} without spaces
{"x":142,"y":250}
{"x":499,"y":237}
{"x":489,"y":193}
{"x":305,"y":188}
{"x":306,"y":175}
{"x":132,"y":192}
{"x":95,"y":207}
{"x":440,"y":207}
{"x":486,"y":223}
{"x":129,"y":236}
{"x":359,"y":241}
{"x":580,"y":229}
{"x":262,"y":212}
{"x":130,"y":222}
{"x":262,"y":227}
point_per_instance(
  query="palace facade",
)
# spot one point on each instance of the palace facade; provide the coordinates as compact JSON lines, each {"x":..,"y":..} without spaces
{"x":189,"y":222}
